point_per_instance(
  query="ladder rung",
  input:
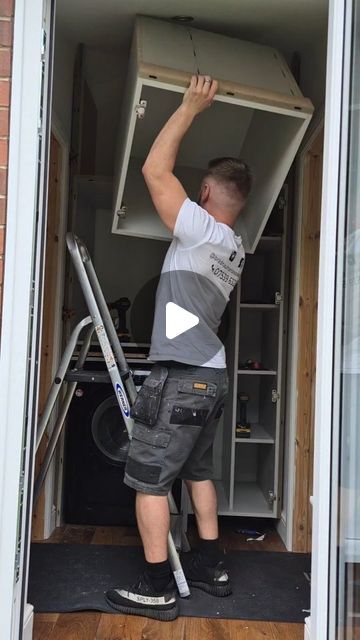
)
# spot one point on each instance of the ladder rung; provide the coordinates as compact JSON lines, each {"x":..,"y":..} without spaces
{"x":82,"y":375}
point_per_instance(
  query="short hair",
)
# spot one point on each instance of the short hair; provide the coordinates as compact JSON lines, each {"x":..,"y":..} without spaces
{"x":232,"y":172}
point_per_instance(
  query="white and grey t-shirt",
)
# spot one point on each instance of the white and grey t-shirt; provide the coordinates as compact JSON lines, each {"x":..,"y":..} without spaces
{"x":201,"y":268}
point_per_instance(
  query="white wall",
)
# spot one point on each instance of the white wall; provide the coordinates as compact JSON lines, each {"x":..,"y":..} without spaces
{"x":124,"y":265}
{"x":313,"y":71}
{"x":64,"y":57}
{"x":105,"y":72}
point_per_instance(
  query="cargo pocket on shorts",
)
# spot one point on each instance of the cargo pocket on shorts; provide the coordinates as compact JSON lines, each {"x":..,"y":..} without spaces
{"x":147,"y":403}
{"x":194,"y":409}
{"x":145,"y":460}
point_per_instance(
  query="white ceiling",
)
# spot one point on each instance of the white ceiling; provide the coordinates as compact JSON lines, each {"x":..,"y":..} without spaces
{"x":290,"y":25}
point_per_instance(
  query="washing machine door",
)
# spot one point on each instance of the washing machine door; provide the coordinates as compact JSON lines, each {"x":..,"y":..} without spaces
{"x":109,"y":432}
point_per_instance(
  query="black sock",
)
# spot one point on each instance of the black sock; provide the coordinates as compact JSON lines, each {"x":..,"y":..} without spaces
{"x":210,"y":551}
{"x":159,"y":574}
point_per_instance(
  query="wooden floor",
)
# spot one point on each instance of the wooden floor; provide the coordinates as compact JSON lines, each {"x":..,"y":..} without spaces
{"x":100,"y":626}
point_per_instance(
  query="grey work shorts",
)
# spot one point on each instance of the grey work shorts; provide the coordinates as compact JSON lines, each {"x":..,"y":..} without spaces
{"x":180,"y":406}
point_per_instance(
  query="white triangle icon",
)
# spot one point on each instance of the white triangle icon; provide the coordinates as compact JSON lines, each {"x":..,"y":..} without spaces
{"x":178,"y":320}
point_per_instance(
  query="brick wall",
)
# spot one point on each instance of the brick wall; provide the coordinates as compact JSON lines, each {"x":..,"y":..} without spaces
{"x":6,"y":37}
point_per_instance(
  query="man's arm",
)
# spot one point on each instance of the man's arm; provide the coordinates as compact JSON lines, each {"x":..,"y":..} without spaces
{"x":166,"y":191}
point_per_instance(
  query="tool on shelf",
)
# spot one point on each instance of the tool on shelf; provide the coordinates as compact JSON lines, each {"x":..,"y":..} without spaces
{"x":243,"y":427}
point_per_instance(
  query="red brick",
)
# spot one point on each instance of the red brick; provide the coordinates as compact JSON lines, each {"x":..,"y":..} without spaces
{"x":7,"y":8}
{"x":6,"y":33}
{"x":3,"y":182}
{"x":2,"y":210}
{"x":2,"y":240}
{"x":4,"y":93}
{"x":3,"y":151}
{"x":4,"y":122}
{"x":5,"y":63}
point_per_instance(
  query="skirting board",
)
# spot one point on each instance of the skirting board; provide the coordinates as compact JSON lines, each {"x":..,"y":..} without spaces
{"x":307,"y":635}
{"x":28,"y":622}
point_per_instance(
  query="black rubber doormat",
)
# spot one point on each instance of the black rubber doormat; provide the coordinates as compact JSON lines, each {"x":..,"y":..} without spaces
{"x":266,"y":585}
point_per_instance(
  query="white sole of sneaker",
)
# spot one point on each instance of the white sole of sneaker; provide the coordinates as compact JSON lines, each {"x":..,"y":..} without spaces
{"x":221,"y":591}
{"x":165,"y":615}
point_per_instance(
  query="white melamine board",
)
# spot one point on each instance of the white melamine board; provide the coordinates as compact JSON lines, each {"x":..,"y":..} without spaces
{"x":258,"y":114}
{"x":127,"y":122}
{"x":165,"y":44}
{"x":141,"y":218}
{"x":259,"y":435}
{"x":249,"y":500}
{"x":266,"y":472}
{"x":220,"y":130}
{"x":223,"y":57}
{"x":256,"y":372}
{"x":267,"y":408}
{"x":269,"y":148}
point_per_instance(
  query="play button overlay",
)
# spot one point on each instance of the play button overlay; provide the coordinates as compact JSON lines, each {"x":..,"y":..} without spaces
{"x":183,"y":324}
{"x":178,"y":320}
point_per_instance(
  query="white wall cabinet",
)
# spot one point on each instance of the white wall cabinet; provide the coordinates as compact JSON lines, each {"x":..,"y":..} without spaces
{"x":259,"y":114}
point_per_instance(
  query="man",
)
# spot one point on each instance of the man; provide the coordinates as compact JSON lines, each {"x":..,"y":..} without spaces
{"x":179,"y":405}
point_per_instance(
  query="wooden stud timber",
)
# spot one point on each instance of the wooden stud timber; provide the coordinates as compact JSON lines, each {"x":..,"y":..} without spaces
{"x":306,"y":370}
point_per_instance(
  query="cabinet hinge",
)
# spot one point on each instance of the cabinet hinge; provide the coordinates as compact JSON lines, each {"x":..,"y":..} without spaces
{"x":140,"y":109}
{"x":121,"y":213}
{"x":278,"y":297}
{"x":275,"y":395}
{"x":271,"y":498}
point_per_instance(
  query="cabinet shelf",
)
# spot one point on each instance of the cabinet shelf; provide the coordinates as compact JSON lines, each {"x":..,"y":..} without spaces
{"x":257,"y":372}
{"x":259,"y":435}
{"x":250,"y":501}
{"x":261,"y":306}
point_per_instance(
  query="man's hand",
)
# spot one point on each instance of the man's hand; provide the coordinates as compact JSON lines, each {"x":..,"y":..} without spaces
{"x":200,"y":94}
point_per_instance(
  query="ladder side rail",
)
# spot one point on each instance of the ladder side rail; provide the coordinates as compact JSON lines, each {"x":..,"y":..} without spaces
{"x":95,"y":300}
{"x":111,"y":332}
{"x":64,"y":408}
{"x":59,"y":378}
{"x":100,"y":330}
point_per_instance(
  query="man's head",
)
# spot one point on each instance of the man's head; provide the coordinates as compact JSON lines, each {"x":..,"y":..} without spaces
{"x":225,"y":188}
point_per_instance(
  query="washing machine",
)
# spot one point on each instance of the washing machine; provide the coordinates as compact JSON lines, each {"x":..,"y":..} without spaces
{"x":96,"y":446}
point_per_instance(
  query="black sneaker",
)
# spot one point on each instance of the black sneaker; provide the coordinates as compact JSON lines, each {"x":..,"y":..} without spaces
{"x":141,"y":599}
{"x":214,"y":580}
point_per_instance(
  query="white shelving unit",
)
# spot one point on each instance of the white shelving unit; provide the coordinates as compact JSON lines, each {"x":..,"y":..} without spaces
{"x":249,"y":470}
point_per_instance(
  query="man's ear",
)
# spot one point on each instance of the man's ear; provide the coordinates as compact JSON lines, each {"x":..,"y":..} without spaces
{"x":205,"y":193}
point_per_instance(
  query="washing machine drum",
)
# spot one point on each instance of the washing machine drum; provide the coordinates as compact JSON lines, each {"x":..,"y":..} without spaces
{"x":109,"y":431}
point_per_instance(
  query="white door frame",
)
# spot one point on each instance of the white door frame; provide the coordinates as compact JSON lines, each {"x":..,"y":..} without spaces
{"x":22,"y":174}
{"x":332,"y":201}
{"x":17,"y":374}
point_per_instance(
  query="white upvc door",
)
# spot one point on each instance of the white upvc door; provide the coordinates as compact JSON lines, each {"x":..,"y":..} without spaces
{"x":335,"y":397}
{"x":22,"y":297}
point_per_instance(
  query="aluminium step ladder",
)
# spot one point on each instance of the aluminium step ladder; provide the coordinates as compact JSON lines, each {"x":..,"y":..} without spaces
{"x":118,"y":373}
